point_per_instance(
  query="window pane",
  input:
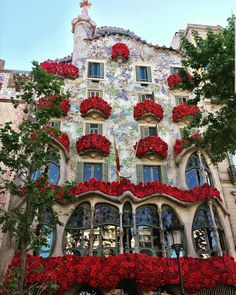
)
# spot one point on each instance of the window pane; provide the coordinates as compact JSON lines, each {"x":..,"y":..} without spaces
{"x":143,"y":74}
{"x":93,"y":128}
{"x":191,"y":178}
{"x":152,"y":131}
{"x":156,"y":173}
{"x":87,"y":172}
{"x":36,"y":175}
{"x":53,"y":173}
{"x":97,"y":171}
{"x":147,"y":174}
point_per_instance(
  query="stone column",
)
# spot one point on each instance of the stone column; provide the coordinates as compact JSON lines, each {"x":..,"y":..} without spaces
{"x":162,"y":235}
{"x":135,"y":234}
{"x":121,"y":234}
{"x":91,"y":235}
{"x":215,"y":228}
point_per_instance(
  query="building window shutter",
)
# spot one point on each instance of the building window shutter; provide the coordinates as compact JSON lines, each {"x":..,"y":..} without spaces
{"x":79,"y":172}
{"x":105,"y":172}
{"x":100,"y":129}
{"x":149,"y":75}
{"x":164,"y":178}
{"x":139,"y":173}
{"x":90,"y":65}
{"x":101,"y":69}
{"x":87,"y":128}
{"x":138,"y":76}
{"x":144,"y":131}
{"x":172,"y":70}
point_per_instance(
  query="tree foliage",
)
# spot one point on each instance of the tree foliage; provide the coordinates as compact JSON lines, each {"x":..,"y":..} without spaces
{"x":212,"y":62}
{"x":23,"y":151}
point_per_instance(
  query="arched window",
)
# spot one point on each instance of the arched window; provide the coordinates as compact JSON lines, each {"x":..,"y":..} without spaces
{"x":148,"y":227}
{"x":128,"y":227}
{"x":106,"y":230}
{"x":52,"y":168}
{"x":169,"y":221}
{"x":77,"y":231}
{"x":47,"y":227}
{"x":194,"y":172}
{"x":204,"y":235}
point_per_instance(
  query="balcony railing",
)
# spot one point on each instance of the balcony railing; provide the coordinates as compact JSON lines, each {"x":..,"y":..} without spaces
{"x":232,"y":173}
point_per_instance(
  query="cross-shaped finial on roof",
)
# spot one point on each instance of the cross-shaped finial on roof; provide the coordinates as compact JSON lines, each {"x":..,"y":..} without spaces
{"x":85,"y":4}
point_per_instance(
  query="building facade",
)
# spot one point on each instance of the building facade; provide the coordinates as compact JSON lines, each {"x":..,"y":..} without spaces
{"x":135,"y":185}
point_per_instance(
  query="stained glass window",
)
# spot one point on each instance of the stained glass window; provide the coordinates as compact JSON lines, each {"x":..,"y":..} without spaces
{"x":77,"y":231}
{"x":204,"y":235}
{"x":194,"y":171}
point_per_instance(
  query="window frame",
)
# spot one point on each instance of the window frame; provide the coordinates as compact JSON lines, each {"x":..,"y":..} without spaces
{"x":144,"y":130}
{"x":95,"y":90}
{"x":174,"y":68}
{"x":98,"y":78}
{"x":149,"y":74}
{"x":87,"y":127}
{"x":178,"y":97}
{"x":80,"y":170}
{"x":141,"y":99}
{"x":196,"y":169}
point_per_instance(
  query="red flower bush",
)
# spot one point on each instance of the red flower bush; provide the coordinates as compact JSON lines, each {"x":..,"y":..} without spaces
{"x":148,"y":107}
{"x":95,"y":102}
{"x":149,"y":273}
{"x":57,"y":105}
{"x":182,"y":144}
{"x":120,"y":49}
{"x":182,"y":79}
{"x":62,"y":69}
{"x":152,"y":144}
{"x":184,"y":110}
{"x":93,"y":141}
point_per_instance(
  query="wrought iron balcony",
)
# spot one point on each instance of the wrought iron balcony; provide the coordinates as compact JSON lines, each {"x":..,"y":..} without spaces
{"x":232,"y":173}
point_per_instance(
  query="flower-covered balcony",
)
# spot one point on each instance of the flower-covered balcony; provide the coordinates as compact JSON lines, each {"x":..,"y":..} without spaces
{"x":93,"y":145}
{"x":120,"y":52}
{"x":184,"y":113}
{"x":96,"y":108}
{"x":151,"y":147}
{"x":63,"y":70}
{"x":148,"y":111}
{"x":181,"y":80}
{"x":90,"y":274}
{"x":55,"y":105}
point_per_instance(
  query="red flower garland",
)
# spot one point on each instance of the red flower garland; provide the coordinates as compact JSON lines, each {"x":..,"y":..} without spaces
{"x":177,"y":80}
{"x":184,"y":110}
{"x":151,"y":144}
{"x":58,"y":105}
{"x":95,"y":102}
{"x":149,"y":273}
{"x":142,"y":190}
{"x":62,"y":69}
{"x":93,"y":141}
{"x":120,"y":49}
{"x":146,"y":107}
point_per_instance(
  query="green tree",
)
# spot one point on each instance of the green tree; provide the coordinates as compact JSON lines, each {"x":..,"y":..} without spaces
{"x":213,"y":64}
{"x":22,"y":152}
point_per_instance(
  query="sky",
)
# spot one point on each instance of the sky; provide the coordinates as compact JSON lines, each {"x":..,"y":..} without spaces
{"x":41,"y":29}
